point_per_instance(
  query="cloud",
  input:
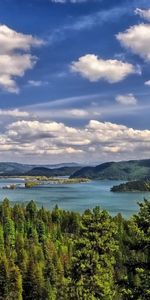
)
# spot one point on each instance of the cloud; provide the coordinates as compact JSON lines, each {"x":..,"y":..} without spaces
{"x":14,"y":113}
{"x":12,"y":65}
{"x":147,"y":82}
{"x":15,"y":58}
{"x":11,"y":40}
{"x":45,"y":130}
{"x":94,"y":68}
{"x":88,"y":21}
{"x":144,"y":13}
{"x":74,"y":113}
{"x":68,"y":1}
{"x":93,"y":106}
{"x":37,"y":83}
{"x":128,"y":99}
{"x":137,"y":39}
{"x":62,"y":102}
{"x":94,"y":141}
{"x":78,"y":113}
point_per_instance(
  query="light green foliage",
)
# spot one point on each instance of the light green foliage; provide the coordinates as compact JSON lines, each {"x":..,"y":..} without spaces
{"x":1,"y":239}
{"x":31,"y":184}
{"x":93,"y":260}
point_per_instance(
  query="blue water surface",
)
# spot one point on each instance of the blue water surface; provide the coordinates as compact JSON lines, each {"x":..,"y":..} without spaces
{"x":76,"y":197}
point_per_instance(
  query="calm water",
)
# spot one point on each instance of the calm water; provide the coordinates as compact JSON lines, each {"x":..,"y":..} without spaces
{"x":77,"y":197}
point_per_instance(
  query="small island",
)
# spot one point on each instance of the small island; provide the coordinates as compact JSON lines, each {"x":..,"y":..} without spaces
{"x":43,"y":181}
{"x":133,"y":186}
{"x":10,"y":187}
{"x":38,"y":181}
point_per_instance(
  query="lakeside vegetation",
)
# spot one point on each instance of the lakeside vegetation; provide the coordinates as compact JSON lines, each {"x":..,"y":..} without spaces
{"x":65,"y":255}
{"x":50,"y":180}
{"x":35,"y":181}
{"x":31,"y":184}
{"x":133,"y":186}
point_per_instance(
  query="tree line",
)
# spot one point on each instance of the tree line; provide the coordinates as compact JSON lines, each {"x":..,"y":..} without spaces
{"x":54,"y":255}
{"x":131,"y":186}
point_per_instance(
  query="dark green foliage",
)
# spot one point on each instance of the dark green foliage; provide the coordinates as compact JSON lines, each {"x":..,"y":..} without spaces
{"x":16,"y":169}
{"x":124,"y":170}
{"x":62,"y":255}
{"x":133,"y":273}
{"x":132,"y":186}
{"x":63,"y":171}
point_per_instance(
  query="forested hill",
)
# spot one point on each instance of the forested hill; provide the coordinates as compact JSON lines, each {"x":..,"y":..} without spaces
{"x":60,"y":255}
{"x":17,"y":169}
{"x":124,"y":170}
{"x":12,"y":169}
{"x":42,"y":171}
{"x":133,"y":186}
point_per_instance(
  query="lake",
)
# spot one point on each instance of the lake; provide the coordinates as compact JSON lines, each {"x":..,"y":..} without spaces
{"x":76,"y":197}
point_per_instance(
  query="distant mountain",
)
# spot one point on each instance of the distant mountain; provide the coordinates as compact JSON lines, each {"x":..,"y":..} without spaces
{"x":124,"y":170}
{"x":61,"y":165}
{"x":13,"y":169}
{"x":16,"y":169}
{"x":42,"y":171}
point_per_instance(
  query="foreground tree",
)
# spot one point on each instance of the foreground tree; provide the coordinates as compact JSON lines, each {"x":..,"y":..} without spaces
{"x":63,"y":255}
{"x":93,"y":260}
{"x":136,"y":256}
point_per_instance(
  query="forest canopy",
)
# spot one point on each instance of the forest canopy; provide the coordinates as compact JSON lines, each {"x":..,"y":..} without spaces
{"x":132,"y":186}
{"x":65,"y":255}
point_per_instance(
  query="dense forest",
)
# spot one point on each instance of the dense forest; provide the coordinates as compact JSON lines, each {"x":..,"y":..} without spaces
{"x":132,"y":186}
{"x":16,"y":169}
{"x":122,"y":170}
{"x":65,"y":255}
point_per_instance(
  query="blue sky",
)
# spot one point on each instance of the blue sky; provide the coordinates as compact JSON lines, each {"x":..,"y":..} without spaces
{"x":74,"y":80}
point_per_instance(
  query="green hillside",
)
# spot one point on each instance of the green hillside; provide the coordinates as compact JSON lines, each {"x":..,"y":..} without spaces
{"x":124,"y":170}
{"x":132,"y":186}
{"x":12,"y":169}
{"x":17,"y":169}
{"x":42,"y":171}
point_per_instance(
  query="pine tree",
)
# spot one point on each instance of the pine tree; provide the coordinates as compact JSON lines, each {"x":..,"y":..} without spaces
{"x":93,"y":261}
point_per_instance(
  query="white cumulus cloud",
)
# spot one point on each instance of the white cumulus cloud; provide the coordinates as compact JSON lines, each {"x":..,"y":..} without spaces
{"x":96,"y":140}
{"x":12,"y":65}
{"x":144,"y":13}
{"x":137,"y":39}
{"x":11,"y":40}
{"x":128,"y":99}
{"x":94,"y":68}
{"x":13,"y":62}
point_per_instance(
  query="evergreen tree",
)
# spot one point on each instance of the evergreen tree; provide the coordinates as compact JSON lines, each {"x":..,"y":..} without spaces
{"x":93,"y":261}
{"x":63,"y":255}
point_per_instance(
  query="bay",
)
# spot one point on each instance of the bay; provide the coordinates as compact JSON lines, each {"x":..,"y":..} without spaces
{"x":75,"y":197}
